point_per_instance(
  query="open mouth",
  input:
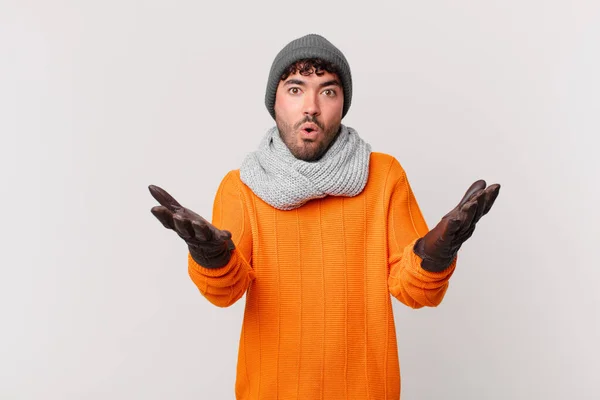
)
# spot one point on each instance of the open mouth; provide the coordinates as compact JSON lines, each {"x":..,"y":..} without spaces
{"x":309,"y":129}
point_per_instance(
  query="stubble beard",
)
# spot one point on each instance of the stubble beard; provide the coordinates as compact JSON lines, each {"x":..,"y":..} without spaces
{"x":310,"y":151}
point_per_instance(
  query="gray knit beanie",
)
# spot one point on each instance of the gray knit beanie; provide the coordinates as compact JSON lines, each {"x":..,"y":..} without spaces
{"x":309,"y":46}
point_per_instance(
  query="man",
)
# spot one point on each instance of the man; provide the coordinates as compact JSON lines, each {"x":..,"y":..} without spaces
{"x":317,"y":230}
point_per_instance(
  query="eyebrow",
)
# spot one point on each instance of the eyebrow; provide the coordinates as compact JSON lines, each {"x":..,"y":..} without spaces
{"x":332,"y":82}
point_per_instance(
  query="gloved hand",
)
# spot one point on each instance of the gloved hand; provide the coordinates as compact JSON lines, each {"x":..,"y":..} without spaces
{"x":210,"y":247}
{"x":440,"y":245}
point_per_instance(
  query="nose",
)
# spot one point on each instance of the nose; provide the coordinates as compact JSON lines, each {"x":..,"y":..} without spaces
{"x":311,"y":105}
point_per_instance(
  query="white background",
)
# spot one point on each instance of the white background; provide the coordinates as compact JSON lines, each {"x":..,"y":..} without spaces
{"x":99,"y":99}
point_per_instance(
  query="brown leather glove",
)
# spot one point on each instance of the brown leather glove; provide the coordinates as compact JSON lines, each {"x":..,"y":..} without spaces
{"x":440,"y":245}
{"x":210,"y":247}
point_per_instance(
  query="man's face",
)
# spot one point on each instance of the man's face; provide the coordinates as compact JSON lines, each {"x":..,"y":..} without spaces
{"x":308,"y":113}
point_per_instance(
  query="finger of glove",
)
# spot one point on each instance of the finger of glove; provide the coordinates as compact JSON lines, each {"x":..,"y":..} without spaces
{"x":202,"y":230}
{"x":469,"y":210}
{"x":454,"y":224}
{"x":474,"y":188}
{"x":164,"y":198}
{"x":164,"y":216}
{"x":220,"y":234}
{"x":490,"y":197}
{"x":227,"y":237}
{"x":459,"y":220}
{"x":480,"y":198}
{"x":183,"y":227}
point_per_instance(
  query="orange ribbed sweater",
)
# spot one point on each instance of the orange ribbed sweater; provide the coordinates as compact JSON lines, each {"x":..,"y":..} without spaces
{"x":318,"y":322}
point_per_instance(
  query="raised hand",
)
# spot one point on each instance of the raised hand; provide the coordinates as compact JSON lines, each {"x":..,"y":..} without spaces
{"x":210,"y":247}
{"x":440,"y":245}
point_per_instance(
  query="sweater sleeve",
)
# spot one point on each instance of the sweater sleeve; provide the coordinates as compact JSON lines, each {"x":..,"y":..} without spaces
{"x":408,"y":282}
{"x":224,"y":286}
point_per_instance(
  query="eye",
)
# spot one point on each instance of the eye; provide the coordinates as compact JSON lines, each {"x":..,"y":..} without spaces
{"x":294,"y":90}
{"x":329,"y":92}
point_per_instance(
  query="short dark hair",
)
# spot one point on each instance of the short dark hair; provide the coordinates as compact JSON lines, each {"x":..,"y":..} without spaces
{"x":308,"y":66}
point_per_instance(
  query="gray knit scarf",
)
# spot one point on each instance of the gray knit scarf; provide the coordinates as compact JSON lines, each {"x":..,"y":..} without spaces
{"x":285,"y":182}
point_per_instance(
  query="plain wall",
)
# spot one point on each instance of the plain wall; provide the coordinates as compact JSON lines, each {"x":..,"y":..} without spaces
{"x":98,"y":100}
